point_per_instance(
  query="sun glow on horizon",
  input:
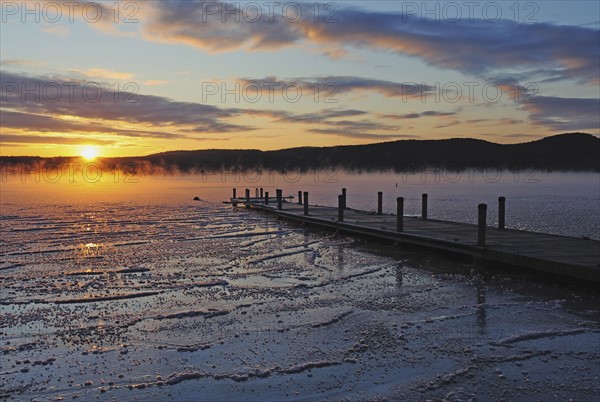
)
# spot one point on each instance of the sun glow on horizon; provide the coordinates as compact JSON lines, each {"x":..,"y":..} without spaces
{"x":89,"y":153}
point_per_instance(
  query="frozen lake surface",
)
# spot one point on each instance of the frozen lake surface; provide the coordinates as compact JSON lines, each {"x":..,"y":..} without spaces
{"x":135,"y":292}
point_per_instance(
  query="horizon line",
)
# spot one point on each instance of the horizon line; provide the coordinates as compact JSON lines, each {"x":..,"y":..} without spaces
{"x":302,"y":147}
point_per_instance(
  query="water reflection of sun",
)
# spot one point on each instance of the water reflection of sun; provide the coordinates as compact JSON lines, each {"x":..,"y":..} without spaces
{"x":89,"y":153}
{"x":90,"y":250}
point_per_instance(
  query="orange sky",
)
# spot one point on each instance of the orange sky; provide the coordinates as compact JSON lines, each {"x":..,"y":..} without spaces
{"x":159,"y":78}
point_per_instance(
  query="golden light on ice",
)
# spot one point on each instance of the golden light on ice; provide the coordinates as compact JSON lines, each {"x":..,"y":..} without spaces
{"x":89,"y":153}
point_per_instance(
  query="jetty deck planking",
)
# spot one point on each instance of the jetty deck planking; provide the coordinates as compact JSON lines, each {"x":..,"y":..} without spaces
{"x":568,"y":256}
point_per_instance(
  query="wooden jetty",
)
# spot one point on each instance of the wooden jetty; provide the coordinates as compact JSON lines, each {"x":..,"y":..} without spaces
{"x":567,"y":256}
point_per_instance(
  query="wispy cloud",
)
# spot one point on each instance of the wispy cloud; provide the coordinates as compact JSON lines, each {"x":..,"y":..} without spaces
{"x":118,"y":116}
{"x":473,"y":46}
{"x":512,"y":135}
{"x":104,"y":74}
{"x":194,"y":23}
{"x":147,"y":116}
{"x":351,"y":131}
{"x":67,"y":107}
{"x":152,"y":83}
{"x":448,"y":124}
{"x":478,"y":47}
{"x":564,"y":114}
{"x":21,"y":63}
{"x":428,"y":113}
{"x":323,"y":116}
{"x":65,"y":124}
{"x":60,"y":30}
{"x":109,"y":17}
{"x":54,"y":140}
{"x":329,"y":87}
{"x":504,"y":122}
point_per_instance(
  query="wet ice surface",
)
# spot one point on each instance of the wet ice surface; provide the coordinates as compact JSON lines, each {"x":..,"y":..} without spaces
{"x":206,"y":302}
{"x":197,"y":301}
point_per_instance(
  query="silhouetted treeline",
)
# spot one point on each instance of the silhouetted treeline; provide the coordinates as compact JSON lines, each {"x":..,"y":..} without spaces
{"x":574,"y":151}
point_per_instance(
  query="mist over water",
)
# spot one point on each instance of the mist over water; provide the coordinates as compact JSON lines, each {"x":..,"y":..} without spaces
{"x":133,"y":290}
{"x":551,"y":202}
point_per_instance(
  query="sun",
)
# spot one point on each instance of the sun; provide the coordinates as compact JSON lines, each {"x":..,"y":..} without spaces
{"x":89,"y":153}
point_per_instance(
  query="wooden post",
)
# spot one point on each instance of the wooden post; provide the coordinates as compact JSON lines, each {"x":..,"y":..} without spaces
{"x":501,"y":213}
{"x":305,"y":203}
{"x":341,"y":208}
{"x":344,"y":194}
{"x":247,"y":195}
{"x":266,"y":198}
{"x":299,"y":197}
{"x":400,"y":214}
{"x":234,"y":193}
{"x":261,"y":192}
{"x":379,"y":203}
{"x":279,"y":199}
{"x":424,"y":206}
{"x":481,"y":223}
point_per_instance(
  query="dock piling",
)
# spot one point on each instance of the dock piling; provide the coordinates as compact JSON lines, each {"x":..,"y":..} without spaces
{"x":279,"y":199}
{"x":558,"y":255}
{"x":379,"y":203}
{"x":344,"y":194}
{"x":299,"y":197}
{"x":424,"y":206}
{"x":400,"y":214}
{"x":501,"y":213}
{"x":305,"y":203}
{"x":481,"y":223}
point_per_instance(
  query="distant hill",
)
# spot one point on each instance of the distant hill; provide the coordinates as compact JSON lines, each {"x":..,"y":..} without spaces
{"x":572,"y":151}
{"x":575,"y":151}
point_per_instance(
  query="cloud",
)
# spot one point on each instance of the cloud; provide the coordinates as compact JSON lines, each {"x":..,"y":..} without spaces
{"x":48,"y":124}
{"x":104,"y":16}
{"x":362,"y":125}
{"x":328,"y":120}
{"x":328,"y":87}
{"x":472,"y":46}
{"x":68,"y":107}
{"x":59,"y":104}
{"x":361,"y":129}
{"x":361,"y":135}
{"x":428,"y":113}
{"x":494,"y":122}
{"x":448,"y":124}
{"x":105,"y":74}
{"x":564,"y":114}
{"x":59,"y":30}
{"x":54,"y":140}
{"x":323,"y":116}
{"x":206,"y":25}
{"x":21,"y":63}
{"x":448,"y":118}
{"x":152,"y":83}
{"x":516,"y":136}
